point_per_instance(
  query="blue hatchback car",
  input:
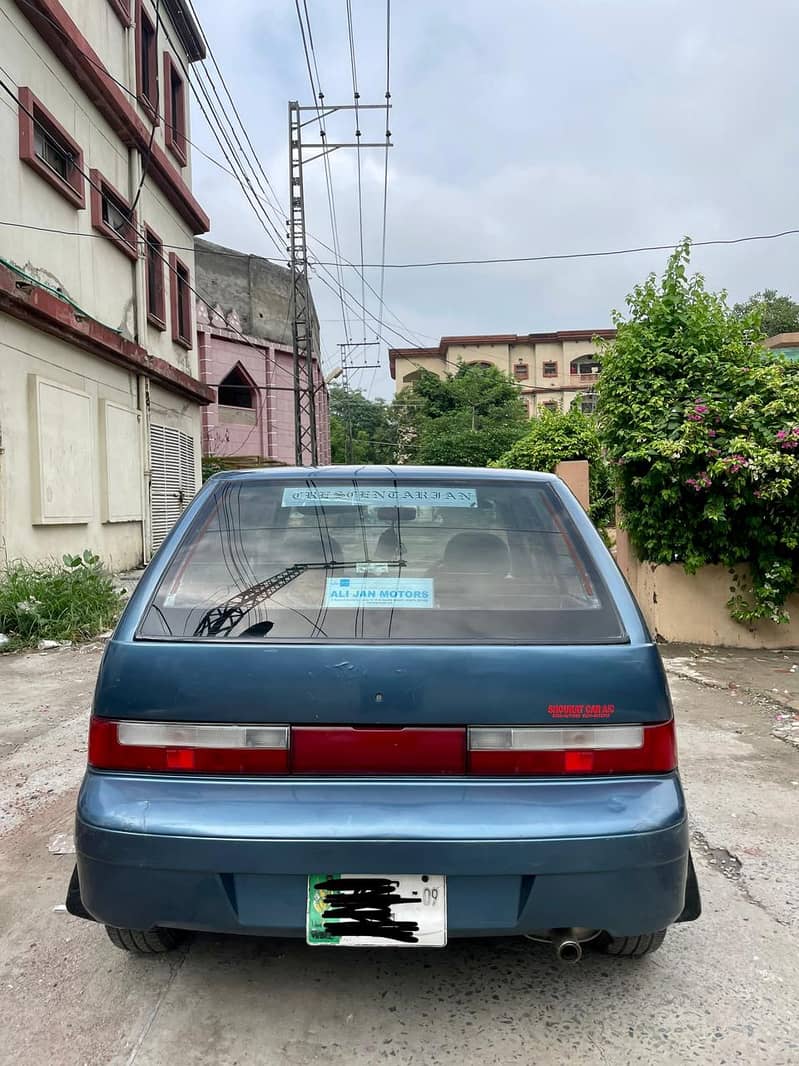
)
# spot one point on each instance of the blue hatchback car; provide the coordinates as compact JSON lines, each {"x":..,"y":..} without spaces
{"x":383,"y":706}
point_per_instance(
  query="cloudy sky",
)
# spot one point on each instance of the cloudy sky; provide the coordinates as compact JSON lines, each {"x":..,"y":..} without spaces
{"x":524,"y":127}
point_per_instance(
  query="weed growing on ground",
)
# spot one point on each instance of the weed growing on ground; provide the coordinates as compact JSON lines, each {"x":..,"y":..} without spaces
{"x":69,"y":601}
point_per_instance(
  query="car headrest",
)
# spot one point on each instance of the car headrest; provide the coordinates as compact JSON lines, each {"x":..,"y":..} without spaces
{"x":477,"y":553}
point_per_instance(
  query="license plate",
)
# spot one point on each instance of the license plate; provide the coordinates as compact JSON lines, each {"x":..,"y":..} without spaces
{"x":377,"y":910}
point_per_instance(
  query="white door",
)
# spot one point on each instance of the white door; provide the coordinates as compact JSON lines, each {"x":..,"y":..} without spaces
{"x":173,"y":481}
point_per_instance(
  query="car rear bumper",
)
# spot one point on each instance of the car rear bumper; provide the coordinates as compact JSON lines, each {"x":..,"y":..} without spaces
{"x":521,"y":855}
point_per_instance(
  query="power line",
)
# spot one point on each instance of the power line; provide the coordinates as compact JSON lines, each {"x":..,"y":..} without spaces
{"x":120,"y":84}
{"x":209,"y":50}
{"x":226,"y":169}
{"x":527,"y":259}
{"x":385,"y":186}
{"x":356,"y":97}
{"x":318,"y":98}
{"x":148,"y":155}
{"x":141,"y":234}
{"x":583,"y":255}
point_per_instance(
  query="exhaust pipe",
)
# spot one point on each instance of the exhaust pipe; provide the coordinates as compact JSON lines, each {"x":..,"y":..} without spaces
{"x":566,"y":947}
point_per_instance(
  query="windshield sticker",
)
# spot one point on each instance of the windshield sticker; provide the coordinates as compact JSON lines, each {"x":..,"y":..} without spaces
{"x":385,"y":592}
{"x":381,"y":496}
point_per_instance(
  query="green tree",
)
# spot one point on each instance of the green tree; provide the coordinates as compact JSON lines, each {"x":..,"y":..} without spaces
{"x":367,"y":423}
{"x":464,"y":419}
{"x":703,"y":432}
{"x":774,"y":313}
{"x":557,"y":436}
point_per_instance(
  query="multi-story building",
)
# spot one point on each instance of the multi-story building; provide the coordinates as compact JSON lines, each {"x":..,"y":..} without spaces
{"x":100,"y":396}
{"x":245,"y":341}
{"x":551,"y":368}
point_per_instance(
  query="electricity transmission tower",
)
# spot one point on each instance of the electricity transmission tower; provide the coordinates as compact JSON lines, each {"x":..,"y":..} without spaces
{"x":306,"y":443}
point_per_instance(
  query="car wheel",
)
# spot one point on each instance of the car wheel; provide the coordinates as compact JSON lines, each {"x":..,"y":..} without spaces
{"x":629,"y":947}
{"x":151,"y":942}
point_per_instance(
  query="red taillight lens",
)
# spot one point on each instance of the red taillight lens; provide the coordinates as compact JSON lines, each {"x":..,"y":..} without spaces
{"x":180,"y":747}
{"x":188,"y":748}
{"x":347,"y":750}
{"x":543,"y":750}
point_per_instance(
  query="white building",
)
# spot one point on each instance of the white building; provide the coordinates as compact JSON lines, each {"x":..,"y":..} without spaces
{"x":100,"y":396}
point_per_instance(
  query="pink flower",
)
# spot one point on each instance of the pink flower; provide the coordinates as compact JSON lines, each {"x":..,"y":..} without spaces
{"x":711,"y":433}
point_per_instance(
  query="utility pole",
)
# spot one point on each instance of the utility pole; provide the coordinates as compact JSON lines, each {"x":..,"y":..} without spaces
{"x":305,"y":436}
{"x":306,"y":443}
{"x":347,"y":368}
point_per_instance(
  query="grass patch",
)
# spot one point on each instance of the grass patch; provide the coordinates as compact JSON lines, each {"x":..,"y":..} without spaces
{"x":72,"y":601}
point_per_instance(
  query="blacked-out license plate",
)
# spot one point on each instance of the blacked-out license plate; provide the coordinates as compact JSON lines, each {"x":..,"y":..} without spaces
{"x":377,"y":910}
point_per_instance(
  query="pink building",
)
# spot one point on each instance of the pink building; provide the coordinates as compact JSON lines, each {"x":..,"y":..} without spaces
{"x":245,"y":354}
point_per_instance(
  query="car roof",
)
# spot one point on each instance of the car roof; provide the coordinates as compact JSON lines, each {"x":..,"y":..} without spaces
{"x":422,"y":473}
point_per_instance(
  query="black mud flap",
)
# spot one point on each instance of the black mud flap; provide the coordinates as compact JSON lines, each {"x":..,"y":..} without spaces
{"x":74,"y":902}
{"x":693,"y":904}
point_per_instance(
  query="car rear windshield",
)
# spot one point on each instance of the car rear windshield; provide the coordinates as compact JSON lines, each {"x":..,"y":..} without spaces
{"x":475,"y":561}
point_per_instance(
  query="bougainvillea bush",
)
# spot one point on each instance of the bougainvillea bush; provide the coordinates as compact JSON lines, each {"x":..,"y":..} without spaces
{"x":701,"y":426}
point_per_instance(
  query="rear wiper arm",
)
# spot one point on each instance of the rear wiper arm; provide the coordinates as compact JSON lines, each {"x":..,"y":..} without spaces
{"x":223,"y":619}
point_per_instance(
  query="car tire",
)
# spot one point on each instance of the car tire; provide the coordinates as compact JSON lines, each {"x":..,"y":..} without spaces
{"x":151,"y":942}
{"x":629,"y":947}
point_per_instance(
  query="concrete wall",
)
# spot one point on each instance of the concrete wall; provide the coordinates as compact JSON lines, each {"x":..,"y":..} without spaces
{"x":61,"y":453}
{"x":96,"y":473}
{"x":259,"y":291}
{"x":685,"y":608}
{"x":105,"y":33}
{"x":575,"y":473}
{"x":84,"y":266}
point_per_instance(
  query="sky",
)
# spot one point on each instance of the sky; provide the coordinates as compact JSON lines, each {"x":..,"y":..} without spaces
{"x":521,"y":128}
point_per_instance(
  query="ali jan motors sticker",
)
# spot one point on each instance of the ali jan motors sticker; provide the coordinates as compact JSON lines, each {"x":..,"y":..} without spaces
{"x":385,"y":592}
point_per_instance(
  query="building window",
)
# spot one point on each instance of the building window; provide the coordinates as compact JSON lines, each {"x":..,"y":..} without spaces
{"x":146,"y":62}
{"x":235,"y":390}
{"x":550,"y":370}
{"x":482,"y":364}
{"x":121,"y":9}
{"x":551,"y":405}
{"x":180,"y":299}
{"x":588,"y":403}
{"x":156,"y":303}
{"x":521,"y":371}
{"x":112,"y":215}
{"x":414,"y":375}
{"x":586,"y":366}
{"x":175,"y":110}
{"x":48,"y":149}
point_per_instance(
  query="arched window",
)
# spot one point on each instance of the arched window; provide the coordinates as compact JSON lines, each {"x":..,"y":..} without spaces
{"x":481,"y":363}
{"x":585,"y":365}
{"x":413,"y":376}
{"x":235,"y":390}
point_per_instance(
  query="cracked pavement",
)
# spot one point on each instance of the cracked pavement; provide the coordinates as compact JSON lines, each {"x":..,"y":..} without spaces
{"x":721,"y":990}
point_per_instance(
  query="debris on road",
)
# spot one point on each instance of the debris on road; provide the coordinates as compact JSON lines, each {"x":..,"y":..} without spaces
{"x":62,"y":844}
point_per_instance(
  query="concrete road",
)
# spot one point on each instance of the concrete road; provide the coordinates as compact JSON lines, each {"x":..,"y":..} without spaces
{"x":723,"y":990}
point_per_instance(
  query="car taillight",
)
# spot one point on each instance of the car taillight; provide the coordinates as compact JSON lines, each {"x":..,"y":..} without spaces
{"x":534,"y":751}
{"x":542,"y":750}
{"x":354,"y":750}
{"x":188,"y":748}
